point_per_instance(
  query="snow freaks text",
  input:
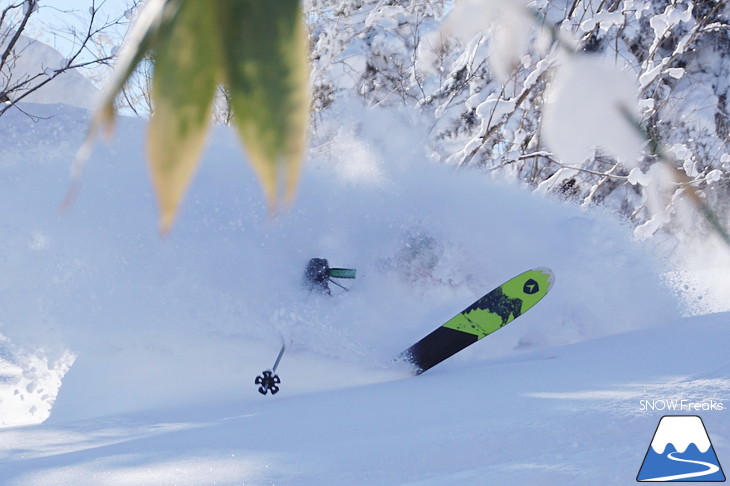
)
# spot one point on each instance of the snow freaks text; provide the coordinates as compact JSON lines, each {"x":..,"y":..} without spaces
{"x":680,"y":405}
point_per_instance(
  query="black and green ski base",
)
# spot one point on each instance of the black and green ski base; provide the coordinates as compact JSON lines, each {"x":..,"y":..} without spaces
{"x":488,"y":314}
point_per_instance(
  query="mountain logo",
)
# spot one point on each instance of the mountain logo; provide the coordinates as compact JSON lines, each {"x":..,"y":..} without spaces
{"x":681,"y":451}
{"x":531,"y":287}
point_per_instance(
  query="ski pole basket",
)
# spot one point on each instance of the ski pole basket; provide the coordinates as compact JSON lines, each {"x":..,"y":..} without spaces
{"x":268,"y":380}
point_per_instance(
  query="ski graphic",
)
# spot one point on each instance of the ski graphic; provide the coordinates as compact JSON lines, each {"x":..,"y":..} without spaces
{"x":488,"y":314}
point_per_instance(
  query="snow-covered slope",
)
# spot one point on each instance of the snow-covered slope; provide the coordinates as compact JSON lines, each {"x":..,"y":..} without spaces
{"x":567,"y":415}
{"x":169,"y":333}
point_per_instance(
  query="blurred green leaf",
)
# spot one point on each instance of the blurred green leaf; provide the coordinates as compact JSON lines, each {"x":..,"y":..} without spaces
{"x":141,"y":40}
{"x":258,"y":50}
{"x":265,"y":68}
{"x":187,"y":63}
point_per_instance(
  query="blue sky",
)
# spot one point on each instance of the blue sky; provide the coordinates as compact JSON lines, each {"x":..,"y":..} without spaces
{"x":56,"y":18}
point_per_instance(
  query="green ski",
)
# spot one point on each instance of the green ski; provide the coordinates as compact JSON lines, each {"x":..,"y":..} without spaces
{"x":342,"y":272}
{"x":488,"y":314}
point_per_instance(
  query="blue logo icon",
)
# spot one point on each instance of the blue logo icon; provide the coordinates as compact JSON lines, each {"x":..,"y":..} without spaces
{"x":681,"y":451}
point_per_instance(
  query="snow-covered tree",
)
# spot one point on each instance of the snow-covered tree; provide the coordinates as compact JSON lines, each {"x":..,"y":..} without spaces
{"x":483,"y":76}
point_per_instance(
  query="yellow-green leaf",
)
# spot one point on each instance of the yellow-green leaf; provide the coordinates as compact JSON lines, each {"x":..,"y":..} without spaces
{"x":257,"y":49}
{"x":141,"y":39}
{"x":265,"y":69}
{"x":186,"y":74}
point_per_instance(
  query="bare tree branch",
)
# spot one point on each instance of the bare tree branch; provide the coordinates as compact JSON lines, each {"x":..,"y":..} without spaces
{"x":23,"y":23}
{"x":83,"y":54}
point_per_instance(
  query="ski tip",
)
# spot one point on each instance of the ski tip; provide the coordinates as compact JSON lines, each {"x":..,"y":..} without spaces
{"x":550,"y":275}
{"x":407,"y":362}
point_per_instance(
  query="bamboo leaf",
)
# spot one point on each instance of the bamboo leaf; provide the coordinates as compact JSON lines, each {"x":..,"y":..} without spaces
{"x":265,"y":69}
{"x":141,"y":40}
{"x":185,"y":78}
{"x":257,"y":49}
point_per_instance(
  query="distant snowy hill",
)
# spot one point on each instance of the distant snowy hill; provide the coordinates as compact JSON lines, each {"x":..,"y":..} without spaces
{"x":33,"y":57}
